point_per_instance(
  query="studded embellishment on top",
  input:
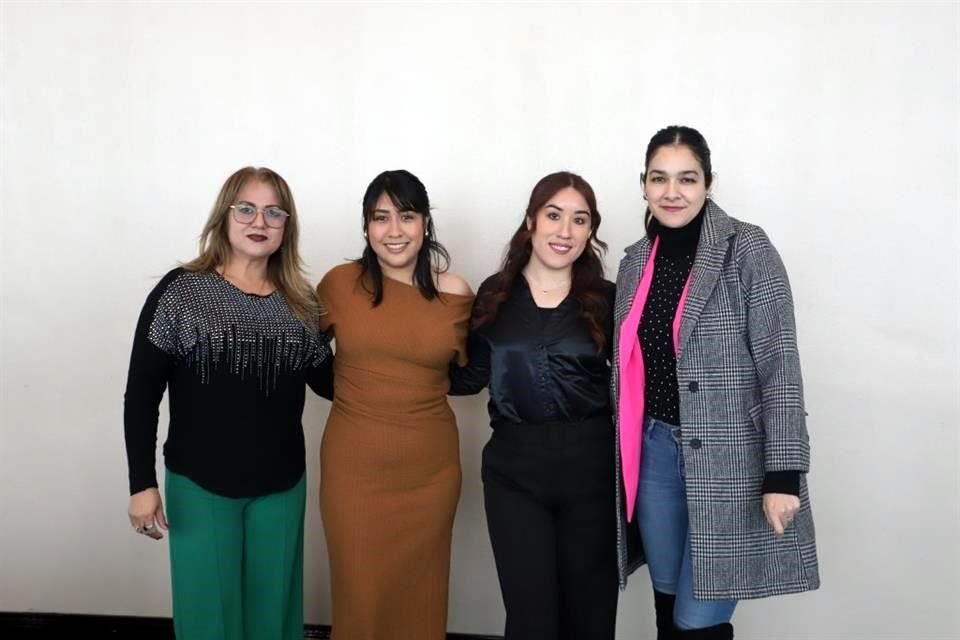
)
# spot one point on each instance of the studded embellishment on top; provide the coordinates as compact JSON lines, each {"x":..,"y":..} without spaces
{"x":217,"y":328}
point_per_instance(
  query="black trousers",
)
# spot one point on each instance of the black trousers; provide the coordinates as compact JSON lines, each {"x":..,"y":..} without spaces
{"x":549,"y":496}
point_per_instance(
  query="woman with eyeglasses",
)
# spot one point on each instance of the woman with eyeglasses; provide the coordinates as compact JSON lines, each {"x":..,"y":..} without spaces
{"x":233,"y":335}
{"x":390,"y":456}
{"x":712,"y":439}
{"x":540,"y":340}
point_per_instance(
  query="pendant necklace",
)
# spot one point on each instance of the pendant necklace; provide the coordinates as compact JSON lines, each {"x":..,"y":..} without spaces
{"x":554,"y":288}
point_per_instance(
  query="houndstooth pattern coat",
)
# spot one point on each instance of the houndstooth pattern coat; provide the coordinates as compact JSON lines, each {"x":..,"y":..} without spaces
{"x":741,"y":397}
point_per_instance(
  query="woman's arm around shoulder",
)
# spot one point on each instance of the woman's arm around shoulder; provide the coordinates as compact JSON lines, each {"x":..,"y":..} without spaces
{"x":328,"y":290}
{"x":319,"y":376}
{"x":472,"y":378}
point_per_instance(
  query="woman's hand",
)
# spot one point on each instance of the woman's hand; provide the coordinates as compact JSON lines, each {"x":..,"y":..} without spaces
{"x":146,"y":513}
{"x":780,"y":509}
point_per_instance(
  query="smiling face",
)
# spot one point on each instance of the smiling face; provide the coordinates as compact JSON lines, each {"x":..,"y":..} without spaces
{"x":255,"y":240}
{"x":560,"y":230}
{"x":675,"y":186}
{"x":396,"y":236}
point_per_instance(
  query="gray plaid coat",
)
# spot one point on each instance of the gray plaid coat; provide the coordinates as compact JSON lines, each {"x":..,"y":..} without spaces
{"x":741,"y":396}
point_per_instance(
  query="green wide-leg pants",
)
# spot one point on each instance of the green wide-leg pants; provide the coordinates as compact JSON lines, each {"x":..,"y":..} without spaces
{"x":236,"y":563}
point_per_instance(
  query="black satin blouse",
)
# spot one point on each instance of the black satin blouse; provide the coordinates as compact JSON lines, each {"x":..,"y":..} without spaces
{"x":540,"y":365}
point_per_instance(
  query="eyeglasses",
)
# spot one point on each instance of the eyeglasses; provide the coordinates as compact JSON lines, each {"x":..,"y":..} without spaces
{"x":246,"y":213}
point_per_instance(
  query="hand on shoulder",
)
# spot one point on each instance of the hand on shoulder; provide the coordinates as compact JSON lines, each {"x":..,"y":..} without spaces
{"x":452,"y":283}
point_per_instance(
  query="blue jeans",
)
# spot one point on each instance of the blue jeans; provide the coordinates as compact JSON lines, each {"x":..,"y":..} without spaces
{"x":664,"y":528}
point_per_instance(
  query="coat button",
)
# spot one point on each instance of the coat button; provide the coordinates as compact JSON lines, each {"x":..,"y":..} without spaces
{"x":696,"y":443}
{"x":693,"y":386}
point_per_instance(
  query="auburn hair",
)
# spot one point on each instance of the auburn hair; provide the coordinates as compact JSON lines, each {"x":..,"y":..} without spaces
{"x":588,"y":286}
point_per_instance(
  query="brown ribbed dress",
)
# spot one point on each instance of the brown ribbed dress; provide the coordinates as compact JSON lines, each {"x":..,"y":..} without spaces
{"x":390,"y":457}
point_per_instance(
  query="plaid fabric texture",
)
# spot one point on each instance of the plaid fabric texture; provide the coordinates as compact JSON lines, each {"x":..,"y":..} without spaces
{"x":741,"y":413}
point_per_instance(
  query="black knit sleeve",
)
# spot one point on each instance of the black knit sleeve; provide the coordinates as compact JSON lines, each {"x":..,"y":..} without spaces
{"x":320,"y":375}
{"x":473,"y":377}
{"x":150,"y":369}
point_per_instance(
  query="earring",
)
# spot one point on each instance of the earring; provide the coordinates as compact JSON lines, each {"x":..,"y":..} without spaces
{"x":426,"y":234}
{"x":364,"y":235}
{"x":644,"y":196}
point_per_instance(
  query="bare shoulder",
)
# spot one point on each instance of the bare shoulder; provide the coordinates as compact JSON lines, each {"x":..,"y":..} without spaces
{"x":452,"y":283}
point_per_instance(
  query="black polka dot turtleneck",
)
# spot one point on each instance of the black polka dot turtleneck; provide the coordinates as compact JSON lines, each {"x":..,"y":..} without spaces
{"x":674,"y":259}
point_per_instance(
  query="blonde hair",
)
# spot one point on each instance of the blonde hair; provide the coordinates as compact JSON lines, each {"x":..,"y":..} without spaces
{"x":284,"y":267}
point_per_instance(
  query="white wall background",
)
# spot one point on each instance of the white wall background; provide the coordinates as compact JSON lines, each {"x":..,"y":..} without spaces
{"x":833,"y":125}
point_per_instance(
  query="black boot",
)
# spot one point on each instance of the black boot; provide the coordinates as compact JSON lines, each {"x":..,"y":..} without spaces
{"x":663,"y":603}
{"x":717,"y":632}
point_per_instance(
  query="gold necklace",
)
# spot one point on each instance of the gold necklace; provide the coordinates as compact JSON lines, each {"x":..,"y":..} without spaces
{"x":564,"y":285}
{"x":554,"y":288}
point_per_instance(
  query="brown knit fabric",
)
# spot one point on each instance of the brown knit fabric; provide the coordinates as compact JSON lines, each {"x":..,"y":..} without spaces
{"x":390,"y":457}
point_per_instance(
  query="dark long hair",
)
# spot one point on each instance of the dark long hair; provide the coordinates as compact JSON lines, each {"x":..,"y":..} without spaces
{"x":407,"y":194}
{"x":683,"y":136}
{"x":588,"y":283}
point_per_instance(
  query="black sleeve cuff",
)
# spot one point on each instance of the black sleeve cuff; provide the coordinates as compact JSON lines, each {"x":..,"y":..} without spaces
{"x":782,"y":482}
{"x":464,"y":381}
{"x":320,"y":378}
{"x":142,"y":484}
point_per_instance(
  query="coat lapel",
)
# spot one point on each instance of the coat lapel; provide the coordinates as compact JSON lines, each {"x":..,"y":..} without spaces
{"x":636,"y":258}
{"x":707,"y":266}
